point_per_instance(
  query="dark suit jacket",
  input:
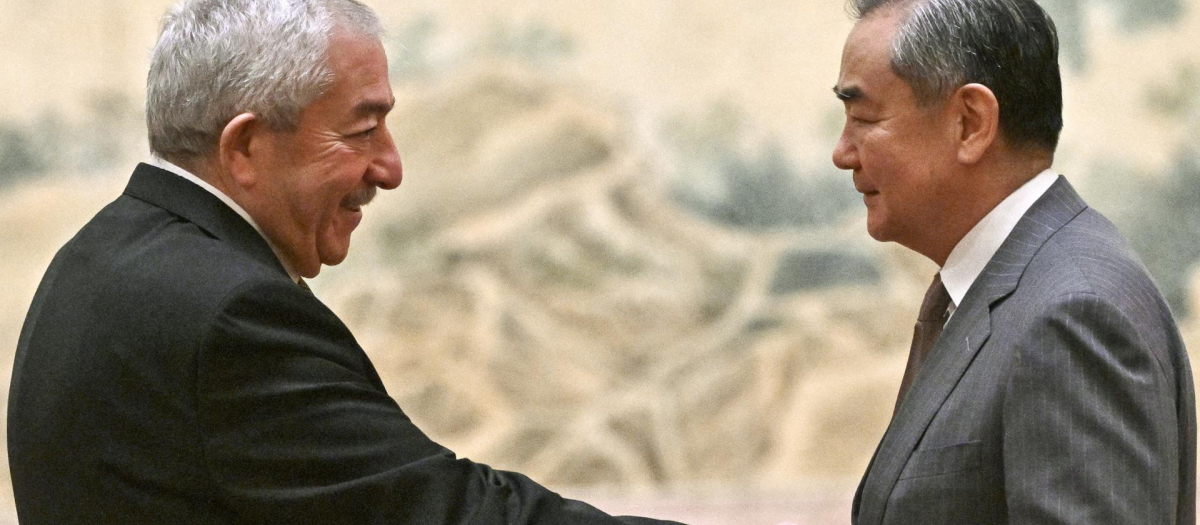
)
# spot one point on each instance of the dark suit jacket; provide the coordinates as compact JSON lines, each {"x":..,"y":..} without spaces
{"x":1059,"y":392}
{"x":170,"y":372}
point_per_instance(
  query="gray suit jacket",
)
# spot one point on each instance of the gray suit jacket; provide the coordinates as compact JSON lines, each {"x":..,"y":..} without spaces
{"x":1059,"y":392}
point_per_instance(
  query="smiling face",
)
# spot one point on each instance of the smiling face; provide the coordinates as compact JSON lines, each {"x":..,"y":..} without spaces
{"x":902,"y":153}
{"x":315,"y":179}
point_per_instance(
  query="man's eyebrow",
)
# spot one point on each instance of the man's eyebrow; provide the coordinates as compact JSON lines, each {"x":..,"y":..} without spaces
{"x":373,"y":107}
{"x":848,"y":94}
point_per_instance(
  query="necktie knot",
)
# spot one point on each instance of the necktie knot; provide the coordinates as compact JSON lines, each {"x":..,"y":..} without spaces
{"x":937,"y":301}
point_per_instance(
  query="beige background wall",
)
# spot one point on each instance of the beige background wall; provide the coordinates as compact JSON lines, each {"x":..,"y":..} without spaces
{"x":621,"y":260}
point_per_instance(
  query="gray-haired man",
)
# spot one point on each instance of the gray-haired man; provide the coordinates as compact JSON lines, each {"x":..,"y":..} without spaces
{"x":1046,"y":381}
{"x":173,"y":367}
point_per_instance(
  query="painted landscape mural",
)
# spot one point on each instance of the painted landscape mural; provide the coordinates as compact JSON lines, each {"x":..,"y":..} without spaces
{"x":621,"y":260}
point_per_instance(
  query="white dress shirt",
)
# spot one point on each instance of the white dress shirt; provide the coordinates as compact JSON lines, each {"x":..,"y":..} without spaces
{"x":167,"y":165}
{"x":973,"y":252}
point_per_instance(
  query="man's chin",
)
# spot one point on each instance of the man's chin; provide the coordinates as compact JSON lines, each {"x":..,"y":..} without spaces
{"x":334,"y":252}
{"x":308,"y":269}
{"x":877,"y":230}
{"x":334,"y":245}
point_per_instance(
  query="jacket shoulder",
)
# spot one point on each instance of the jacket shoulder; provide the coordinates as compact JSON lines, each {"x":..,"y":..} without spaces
{"x":143,"y":271}
{"x":1089,"y":255}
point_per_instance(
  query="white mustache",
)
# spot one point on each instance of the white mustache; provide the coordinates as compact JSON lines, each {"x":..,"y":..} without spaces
{"x":360,"y":198}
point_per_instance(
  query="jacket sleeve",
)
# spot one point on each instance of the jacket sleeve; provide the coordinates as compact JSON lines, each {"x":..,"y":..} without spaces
{"x":295,"y":430}
{"x":1090,"y":426}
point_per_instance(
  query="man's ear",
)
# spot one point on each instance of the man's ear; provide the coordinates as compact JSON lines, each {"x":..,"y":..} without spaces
{"x":979,"y":116}
{"x":238,"y":146}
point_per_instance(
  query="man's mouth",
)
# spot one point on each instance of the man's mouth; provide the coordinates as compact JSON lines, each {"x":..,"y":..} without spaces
{"x":863,"y":188}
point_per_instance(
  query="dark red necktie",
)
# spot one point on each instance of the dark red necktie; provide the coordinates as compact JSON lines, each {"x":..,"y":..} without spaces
{"x":929,"y":325}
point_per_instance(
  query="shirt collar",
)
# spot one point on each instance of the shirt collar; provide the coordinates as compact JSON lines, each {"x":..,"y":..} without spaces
{"x":168,"y":166}
{"x":973,"y":252}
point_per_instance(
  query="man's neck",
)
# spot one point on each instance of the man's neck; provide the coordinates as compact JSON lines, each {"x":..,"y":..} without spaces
{"x":982,"y":188}
{"x":977,"y":248}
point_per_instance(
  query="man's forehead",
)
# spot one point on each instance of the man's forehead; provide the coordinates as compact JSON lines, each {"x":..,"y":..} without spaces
{"x":866,"y":59}
{"x":858,"y":81}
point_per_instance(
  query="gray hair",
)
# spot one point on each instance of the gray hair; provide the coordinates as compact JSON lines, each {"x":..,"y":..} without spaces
{"x":1010,"y":46}
{"x":216,"y":59}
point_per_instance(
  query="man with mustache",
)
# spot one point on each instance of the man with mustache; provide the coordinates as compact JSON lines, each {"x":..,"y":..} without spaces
{"x":1046,"y":381}
{"x":175,"y":369}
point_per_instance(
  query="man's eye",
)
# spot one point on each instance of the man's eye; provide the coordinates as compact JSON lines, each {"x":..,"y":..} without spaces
{"x":365,"y":134}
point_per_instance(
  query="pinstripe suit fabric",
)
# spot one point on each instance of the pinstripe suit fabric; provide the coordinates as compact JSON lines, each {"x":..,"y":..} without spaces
{"x":1059,"y":392}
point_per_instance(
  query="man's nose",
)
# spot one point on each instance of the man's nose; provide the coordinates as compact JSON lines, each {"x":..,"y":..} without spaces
{"x":386,"y":170}
{"x":845,"y":155}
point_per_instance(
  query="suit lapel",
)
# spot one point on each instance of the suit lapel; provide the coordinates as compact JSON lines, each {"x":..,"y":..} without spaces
{"x":196,"y":205}
{"x":964,"y":335}
{"x":966,"y":332}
